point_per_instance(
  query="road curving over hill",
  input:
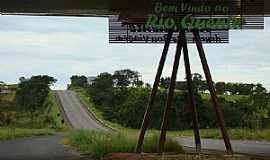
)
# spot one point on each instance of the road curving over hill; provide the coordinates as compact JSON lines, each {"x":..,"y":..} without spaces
{"x":76,"y":114}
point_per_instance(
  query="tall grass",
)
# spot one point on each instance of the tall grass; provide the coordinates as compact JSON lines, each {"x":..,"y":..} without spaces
{"x":7,"y":133}
{"x":100,"y":144}
{"x":53,"y":113}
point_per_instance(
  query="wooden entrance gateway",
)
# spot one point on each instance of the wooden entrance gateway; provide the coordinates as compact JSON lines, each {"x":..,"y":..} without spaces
{"x":182,"y":45}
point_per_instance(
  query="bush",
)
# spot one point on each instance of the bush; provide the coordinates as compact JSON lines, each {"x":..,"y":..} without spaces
{"x":6,"y":118}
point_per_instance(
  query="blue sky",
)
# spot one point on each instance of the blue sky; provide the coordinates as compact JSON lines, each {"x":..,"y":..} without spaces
{"x":64,"y":46}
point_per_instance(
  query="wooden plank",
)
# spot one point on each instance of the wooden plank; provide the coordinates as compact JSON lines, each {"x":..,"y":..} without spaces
{"x":78,"y":7}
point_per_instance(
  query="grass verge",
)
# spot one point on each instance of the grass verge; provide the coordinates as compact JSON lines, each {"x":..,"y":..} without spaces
{"x":86,"y":100}
{"x":100,"y":144}
{"x":236,"y":134}
{"x":8,"y":133}
{"x":54,"y":113}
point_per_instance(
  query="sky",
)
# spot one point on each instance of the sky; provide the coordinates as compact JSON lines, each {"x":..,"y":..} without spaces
{"x":66,"y":46}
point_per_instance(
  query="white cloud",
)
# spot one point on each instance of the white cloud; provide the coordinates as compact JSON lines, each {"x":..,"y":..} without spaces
{"x":61,"y":47}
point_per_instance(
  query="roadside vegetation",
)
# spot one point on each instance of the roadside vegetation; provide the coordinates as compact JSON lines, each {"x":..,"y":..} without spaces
{"x":235,"y":134}
{"x":101,"y":144}
{"x":120,"y":100}
{"x":87,"y":102}
{"x":53,"y":116}
{"x":29,"y":109}
{"x":7,"y":133}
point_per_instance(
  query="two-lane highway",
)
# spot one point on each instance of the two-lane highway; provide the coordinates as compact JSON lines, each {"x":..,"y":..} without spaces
{"x":76,"y":113}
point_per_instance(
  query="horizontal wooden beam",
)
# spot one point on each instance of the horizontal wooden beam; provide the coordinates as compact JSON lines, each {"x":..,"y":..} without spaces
{"x":95,"y":8}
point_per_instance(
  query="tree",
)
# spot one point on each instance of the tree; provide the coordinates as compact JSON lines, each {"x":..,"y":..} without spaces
{"x":104,"y":81}
{"x":101,"y":88}
{"x":147,"y":85}
{"x":220,"y":87}
{"x":232,"y":88}
{"x":1,"y":83}
{"x":181,"y":85}
{"x":203,"y":86}
{"x":78,"y":81}
{"x":198,"y":83}
{"x":127,"y":77}
{"x":131,"y":112}
{"x":32,"y":92}
{"x":248,"y":88}
{"x":259,"y":89}
{"x":165,"y":82}
{"x":138,"y":83}
{"x":197,"y":77}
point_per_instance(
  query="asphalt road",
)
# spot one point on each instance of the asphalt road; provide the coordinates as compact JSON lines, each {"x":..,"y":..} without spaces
{"x":37,"y":148}
{"x":244,"y":147}
{"x":50,"y":147}
{"x":76,"y":114}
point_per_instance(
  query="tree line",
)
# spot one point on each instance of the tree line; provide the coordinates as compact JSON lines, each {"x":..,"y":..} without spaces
{"x":120,"y":78}
{"x":222,"y":88}
{"x":122,"y":100}
{"x":127,"y":78}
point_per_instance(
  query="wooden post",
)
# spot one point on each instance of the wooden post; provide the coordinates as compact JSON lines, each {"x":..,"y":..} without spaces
{"x":170,"y":95}
{"x":191,"y":96}
{"x":212,"y":90}
{"x":147,"y":116}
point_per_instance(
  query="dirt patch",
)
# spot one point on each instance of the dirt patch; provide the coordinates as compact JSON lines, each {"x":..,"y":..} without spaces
{"x":132,"y":156}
